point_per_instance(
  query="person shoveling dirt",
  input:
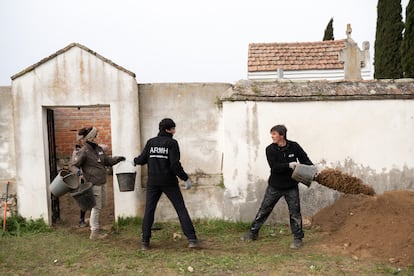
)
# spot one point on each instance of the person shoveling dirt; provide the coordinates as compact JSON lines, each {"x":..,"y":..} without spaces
{"x":331,"y":178}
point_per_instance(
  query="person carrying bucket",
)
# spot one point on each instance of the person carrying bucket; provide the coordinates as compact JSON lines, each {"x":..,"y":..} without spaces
{"x":92,"y":160}
{"x":162,"y":154}
{"x":282,"y":156}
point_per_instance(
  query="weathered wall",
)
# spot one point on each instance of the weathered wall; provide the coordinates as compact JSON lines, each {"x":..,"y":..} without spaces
{"x":7,"y":156}
{"x":195,"y":107}
{"x":74,"y":76}
{"x":370,"y":139}
{"x":68,"y":120}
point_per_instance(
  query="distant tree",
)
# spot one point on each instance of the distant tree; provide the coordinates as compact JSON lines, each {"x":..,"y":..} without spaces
{"x":407,"y":48}
{"x":388,"y":38}
{"x":328,"y":35}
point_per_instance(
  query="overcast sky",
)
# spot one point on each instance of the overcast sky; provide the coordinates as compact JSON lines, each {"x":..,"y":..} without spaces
{"x":172,"y":40}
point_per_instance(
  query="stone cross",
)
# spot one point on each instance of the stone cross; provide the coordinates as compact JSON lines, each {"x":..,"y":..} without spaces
{"x":352,"y":57}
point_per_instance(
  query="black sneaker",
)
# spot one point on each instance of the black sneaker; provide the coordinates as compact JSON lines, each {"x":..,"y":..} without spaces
{"x":194,"y":244}
{"x":296,"y":244}
{"x":145,"y":246}
{"x":249,"y":236}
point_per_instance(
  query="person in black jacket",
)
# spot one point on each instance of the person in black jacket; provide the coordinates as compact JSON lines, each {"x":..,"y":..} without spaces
{"x":282,"y":156}
{"x":162,"y":154}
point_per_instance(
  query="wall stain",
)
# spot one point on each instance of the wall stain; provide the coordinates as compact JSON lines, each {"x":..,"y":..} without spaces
{"x":393,"y":179}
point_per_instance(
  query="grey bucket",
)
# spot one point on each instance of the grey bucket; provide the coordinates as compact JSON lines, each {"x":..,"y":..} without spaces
{"x":63,"y":183}
{"x":304,"y":173}
{"x":84,"y":196}
{"x":126,"y":181}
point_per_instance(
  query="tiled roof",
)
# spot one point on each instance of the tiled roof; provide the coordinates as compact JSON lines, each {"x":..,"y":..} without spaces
{"x":320,"y":55}
{"x":61,"y":51}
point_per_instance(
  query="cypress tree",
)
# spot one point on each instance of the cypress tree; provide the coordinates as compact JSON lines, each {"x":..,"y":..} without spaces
{"x":407,"y":49}
{"x":328,"y":35}
{"x":388,"y":38}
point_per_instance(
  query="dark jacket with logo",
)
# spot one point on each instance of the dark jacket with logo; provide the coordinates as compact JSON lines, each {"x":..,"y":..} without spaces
{"x":279,"y":159}
{"x":92,"y":159}
{"x":162,"y":154}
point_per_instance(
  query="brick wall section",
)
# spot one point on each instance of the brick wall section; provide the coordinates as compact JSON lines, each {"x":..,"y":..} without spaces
{"x":69,"y":120}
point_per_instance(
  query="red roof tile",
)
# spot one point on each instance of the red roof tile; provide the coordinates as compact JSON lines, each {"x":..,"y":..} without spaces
{"x":295,"y":56}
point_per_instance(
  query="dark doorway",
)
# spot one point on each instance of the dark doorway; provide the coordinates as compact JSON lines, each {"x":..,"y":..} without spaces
{"x":52,"y":162}
{"x":63,"y":125}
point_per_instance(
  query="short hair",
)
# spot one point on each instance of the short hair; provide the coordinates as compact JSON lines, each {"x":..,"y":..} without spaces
{"x":281,"y":129}
{"x":166,"y":123}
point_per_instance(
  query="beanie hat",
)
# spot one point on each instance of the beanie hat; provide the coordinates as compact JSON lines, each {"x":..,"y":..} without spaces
{"x":166,"y":123}
{"x":91,"y":134}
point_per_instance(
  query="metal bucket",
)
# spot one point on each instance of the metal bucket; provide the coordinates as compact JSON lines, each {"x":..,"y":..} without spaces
{"x":84,"y":196}
{"x":126,"y":181}
{"x":304,"y":173}
{"x":63,"y":183}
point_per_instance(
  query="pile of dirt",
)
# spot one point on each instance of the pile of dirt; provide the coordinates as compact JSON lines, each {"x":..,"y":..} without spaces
{"x":343,"y":182}
{"x":379,"y":227}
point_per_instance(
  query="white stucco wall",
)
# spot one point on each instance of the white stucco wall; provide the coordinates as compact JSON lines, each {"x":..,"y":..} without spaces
{"x":368,"y":139}
{"x":72,"y":78}
{"x":7,"y":157}
{"x":196,"y":110}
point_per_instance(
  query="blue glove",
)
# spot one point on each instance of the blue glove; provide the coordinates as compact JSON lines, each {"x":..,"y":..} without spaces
{"x":188,"y":184}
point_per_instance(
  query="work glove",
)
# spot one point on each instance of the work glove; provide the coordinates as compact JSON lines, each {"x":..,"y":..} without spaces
{"x":188,"y":184}
{"x":120,"y":158}
{"x":293,"y":165}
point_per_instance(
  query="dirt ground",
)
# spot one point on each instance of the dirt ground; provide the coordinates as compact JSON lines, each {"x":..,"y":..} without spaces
{"x":375,"y":227}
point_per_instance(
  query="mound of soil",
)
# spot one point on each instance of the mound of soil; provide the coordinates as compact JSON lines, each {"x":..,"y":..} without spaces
{"x":379,"y":227}
{"x":343,"y":182}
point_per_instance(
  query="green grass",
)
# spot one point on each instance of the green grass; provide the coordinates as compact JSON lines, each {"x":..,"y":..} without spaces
{"x":70,"y":252}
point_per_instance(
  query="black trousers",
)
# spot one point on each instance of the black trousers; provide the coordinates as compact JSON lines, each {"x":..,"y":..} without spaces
{"x":174,"y":195}
{"x":270,"y":199}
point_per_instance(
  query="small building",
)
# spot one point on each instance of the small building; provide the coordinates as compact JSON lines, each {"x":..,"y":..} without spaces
{"x":321,"y":60}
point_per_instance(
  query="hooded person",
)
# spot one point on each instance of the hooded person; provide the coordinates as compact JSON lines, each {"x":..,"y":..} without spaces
{"x":162,"y":155}
{"x":92,"y":161}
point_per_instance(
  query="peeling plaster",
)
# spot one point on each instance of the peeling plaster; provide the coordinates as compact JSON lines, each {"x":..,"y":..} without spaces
{"x":385,"y":180}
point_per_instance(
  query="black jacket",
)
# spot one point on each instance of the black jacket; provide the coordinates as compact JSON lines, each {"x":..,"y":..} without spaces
{"x":162,"y":154}
{"x":279,"y":159}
